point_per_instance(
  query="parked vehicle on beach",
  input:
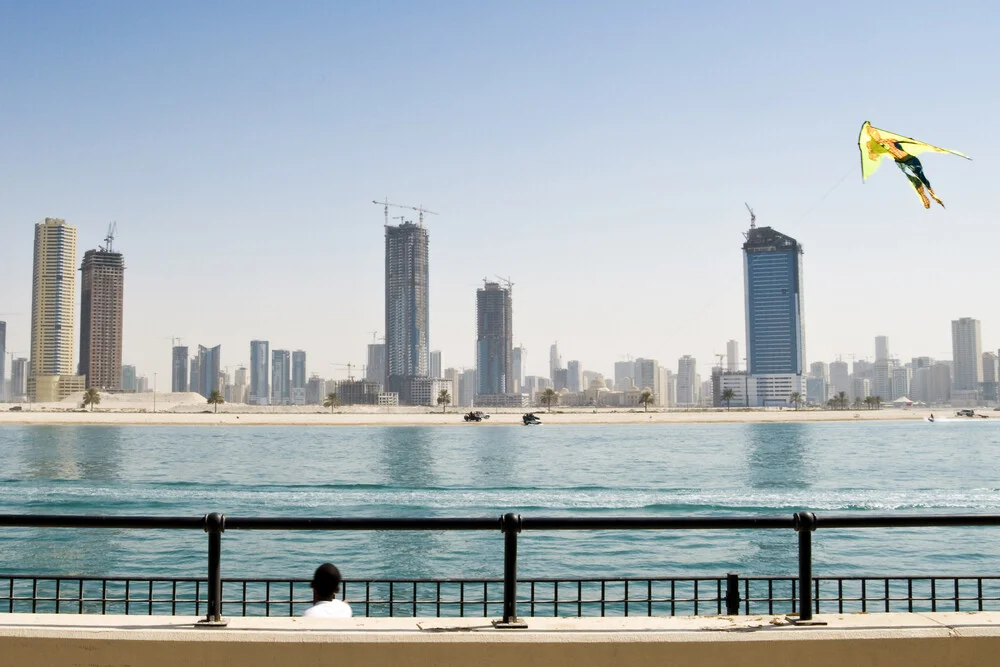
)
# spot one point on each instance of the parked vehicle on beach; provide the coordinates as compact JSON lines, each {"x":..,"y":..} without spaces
{"x":476,"y":416}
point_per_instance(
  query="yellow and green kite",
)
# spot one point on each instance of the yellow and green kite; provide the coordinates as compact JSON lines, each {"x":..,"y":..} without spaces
{"x":876,"y":144}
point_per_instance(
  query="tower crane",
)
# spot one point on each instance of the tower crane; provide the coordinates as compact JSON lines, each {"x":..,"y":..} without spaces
{"x":506,"y":282}
{"x":420,"y":209}
{"x":175,"y":340}
{"x":110,"y":238}
{"x":349,"y":366}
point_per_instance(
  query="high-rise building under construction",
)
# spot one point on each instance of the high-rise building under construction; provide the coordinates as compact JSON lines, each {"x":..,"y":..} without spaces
{"x":102,"y":289}
{"x":407,"y":313}
{"x":494,"y":339}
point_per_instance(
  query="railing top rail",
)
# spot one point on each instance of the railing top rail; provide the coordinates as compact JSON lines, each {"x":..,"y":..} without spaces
{"x":496,"y":523}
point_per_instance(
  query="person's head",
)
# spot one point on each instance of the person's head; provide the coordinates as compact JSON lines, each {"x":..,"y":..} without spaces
{"x":325,"y":582}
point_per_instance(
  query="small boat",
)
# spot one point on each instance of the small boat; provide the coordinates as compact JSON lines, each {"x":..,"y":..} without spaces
{"x":530,"y":419}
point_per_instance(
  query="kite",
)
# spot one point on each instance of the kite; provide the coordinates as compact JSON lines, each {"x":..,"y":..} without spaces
{"x":876,"y":144}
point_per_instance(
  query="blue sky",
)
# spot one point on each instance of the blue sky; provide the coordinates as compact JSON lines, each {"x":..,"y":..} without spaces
{"x":599,"y":154}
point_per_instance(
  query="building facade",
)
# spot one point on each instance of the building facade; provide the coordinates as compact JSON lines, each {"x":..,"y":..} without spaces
{"x":435,"y":364}
{"x":260,"y":384}
{"x":407,"y":307}
{"x":967,"y":359}
{"x":3,"y":360}
{"x":298,"y":377}
{"x":281,"y":377}
{"x":772,"y":278}
{"x":375,"y":370}
{"x":50,"y":369}
{"x":18,"y":379}
{"x":518,"y":359}
{"x":102,"y":291}
{"x":209,"y":363}
{"x":494,"y":339}
{"x":130,"y":381}
{"x":732,"y":356}
{"x":179,"y":369}
{"x":574,"y":376}
{"x":687,"y":381}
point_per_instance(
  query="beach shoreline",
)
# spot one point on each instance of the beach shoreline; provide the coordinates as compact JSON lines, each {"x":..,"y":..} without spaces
{"x":454,"y":417}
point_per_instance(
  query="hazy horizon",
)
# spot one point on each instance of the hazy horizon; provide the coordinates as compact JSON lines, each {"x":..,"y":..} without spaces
{"x":597,"y":155}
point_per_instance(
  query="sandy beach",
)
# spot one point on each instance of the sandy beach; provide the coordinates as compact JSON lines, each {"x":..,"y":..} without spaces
{"x":426,"y":417}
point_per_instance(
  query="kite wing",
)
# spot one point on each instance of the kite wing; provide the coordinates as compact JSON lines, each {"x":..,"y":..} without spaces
{"x":873,"y":150}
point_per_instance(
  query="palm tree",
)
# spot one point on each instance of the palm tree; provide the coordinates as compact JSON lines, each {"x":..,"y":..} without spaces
{"x":91,"y":397}
{"x":795,"y":398}
{"x":215,"y":398}
{"x":444,"y":398}
{"x":842,"y":400}
{"x":549,"y":396}
{"x":331,"y":402}
{"x":858,"y":402}
{"x":878,"y":402}
{"x":728,"y":395}
{"x":645,"y":398}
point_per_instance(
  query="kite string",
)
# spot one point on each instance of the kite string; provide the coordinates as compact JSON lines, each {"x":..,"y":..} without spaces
{"x":828,"y":193}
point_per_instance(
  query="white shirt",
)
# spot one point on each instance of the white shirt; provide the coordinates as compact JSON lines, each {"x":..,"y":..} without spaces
{"x":329,"y":609}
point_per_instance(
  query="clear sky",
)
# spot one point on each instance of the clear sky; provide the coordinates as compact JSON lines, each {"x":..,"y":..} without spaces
{"x":598,"y":154}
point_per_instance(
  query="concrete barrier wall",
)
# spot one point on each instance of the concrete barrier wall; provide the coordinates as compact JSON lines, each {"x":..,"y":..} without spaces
{"x":886,"y":640}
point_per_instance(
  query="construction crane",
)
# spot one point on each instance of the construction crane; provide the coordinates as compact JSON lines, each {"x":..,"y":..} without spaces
{"x":349,"y":366}
{"x":753,"y":217}
{"x":720,"y":357}
{"x":109,"y":240}
{"x":506,"y":282}
{"x":420,"y":209}
{"x":175,"y":340}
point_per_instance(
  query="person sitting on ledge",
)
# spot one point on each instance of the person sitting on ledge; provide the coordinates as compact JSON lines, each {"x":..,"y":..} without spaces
{"x":325,"y":585}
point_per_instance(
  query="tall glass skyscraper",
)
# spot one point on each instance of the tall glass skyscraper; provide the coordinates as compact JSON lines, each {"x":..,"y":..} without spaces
{"x":209,"y":362}
{"x":407,"y":312}
{"x":494,"y":339}
{"x":260,"y":385}
{"x":179,"y":372}
{"x":281,"y":378}
{"x":772,"y":275}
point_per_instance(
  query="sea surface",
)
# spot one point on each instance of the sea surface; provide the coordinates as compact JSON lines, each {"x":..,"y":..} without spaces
{"x":484,"y":471}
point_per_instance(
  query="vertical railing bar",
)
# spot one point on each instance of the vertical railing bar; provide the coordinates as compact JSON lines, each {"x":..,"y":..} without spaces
{"x":579,"y":599}
{"x":486,"y":599}
{"x":909,"y":593}
{"x":673,"y":597}
{"x":368,"y":598}
{"x":267,"y":598}
{"x":150,"y":598}
{"x":34,"y":594}
{"x":626,"y":597}
{"x":58,"y":586}
{"x":173,"y":598}
{"x":840,"y":595}
{"x":649,"y":597}
{"x":604,"y":596}
{"x":533,"y":600}
{"x":104,"y":596}
{"x":244,"y":605}
{"x":956,"y":595}
{"x":439,"y":599}
{"x":461,"y":600}
{"x":933,"y":594}
{"x":128,"y":596}
{"x":555,"y":596}
{"x":864,"y":595}
{"x":80,"y":595}
{"x":980,"y":592}
{"x":695,"y":597}
{"x":391,"y":599}
{"x":10,"y":602}
{"x":291,"y":598}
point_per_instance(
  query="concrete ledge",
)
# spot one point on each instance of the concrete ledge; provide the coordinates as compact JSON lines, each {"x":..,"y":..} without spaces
{"x":911,"y":640}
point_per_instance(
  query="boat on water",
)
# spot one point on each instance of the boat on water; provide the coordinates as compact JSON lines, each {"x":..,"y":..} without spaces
{"x":530,"y":419}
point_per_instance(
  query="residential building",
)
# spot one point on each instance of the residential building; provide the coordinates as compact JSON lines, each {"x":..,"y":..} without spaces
{"x":732,"y":356}
{"x":195,"y":375}
{"x":940,"y":383}
{"x":555,"y":360}
{"x":559,"y":379}
{"x":375,"y":371}
{"x":840,"y":378}
{"x":624,"y":373}
{"x":358,"y":392}
{"x":179,"y":369}
{"x":209,"y":361}
{"x":494,"y":339}
{"x":467,"y":387}
{"x":435,"y":371}
{"x":18,"y":379}
{"x":882,"y":372}
{"x":281,"y":378}
{"x":299,"y":378}
{"x":4,"y":394}
{"x":260,"y":384}
{"x":818,"y":383}
{"x":666,"y":395}
{"x":314,"y":390}
{"x":454,"y":375}
{"x":102,"y":291}
{"x":407,"y":313}
{"x":688,"y":384}
{"x":772,"y":274}
{"x":967,"y":360}
{"x":647,"y":376}
{"x":53,"y":298}
{"x":519,"y":360}
{"x":142,"y":383}
{"x":130,"y":382}
{"x":900,"y":383}
{"x":241,"y":385}
{"x":991,"y":375}
{"x":862,"y":388}
{"x":574,"y":376}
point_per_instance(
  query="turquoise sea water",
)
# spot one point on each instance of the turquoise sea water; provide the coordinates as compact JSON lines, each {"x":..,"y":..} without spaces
{"x":483,"y":471}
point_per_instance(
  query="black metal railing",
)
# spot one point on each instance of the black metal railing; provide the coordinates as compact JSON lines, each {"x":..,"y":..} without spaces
{"x":801,"y":595}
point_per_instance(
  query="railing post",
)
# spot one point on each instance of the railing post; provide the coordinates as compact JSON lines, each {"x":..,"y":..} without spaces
{"x":510,"y":525}
{"x":805,"y":524}
{"x":732,"y":594}
{"x":215,"y":524}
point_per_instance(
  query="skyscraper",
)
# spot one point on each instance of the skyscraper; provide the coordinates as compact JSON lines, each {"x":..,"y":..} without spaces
{"x":179,"y":372}
{"x":772,"y":274}
{"x":688,"y":385}
{"x":435,"y":364}
{"x":195,"y":375}
{"x":18,"y":379}
{"x":494,"y":339}
{"x":407,"y":311}
{"x":555,"y":361}
{"x":102,"y":290}
{"x":281,"y":378}
{"x":967,"y":357}
{"x":129,"y":379}
{"x":624,"y":374}
{"x":881,"y":348}
{"x":3,"y":360}
{"x":732,"y":356}
{"x":647,"y":376}
{"x":298,"y":377}
{"x":209,"y":361}
{"x":518,"y":361}
{"x":574,"y":376}
{"x":375,"y":371}
{"x":50,"y":371}
{"x":260,"y":386}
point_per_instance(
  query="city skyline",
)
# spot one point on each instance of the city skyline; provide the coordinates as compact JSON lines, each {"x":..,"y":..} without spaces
{"x":620,"y":253}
